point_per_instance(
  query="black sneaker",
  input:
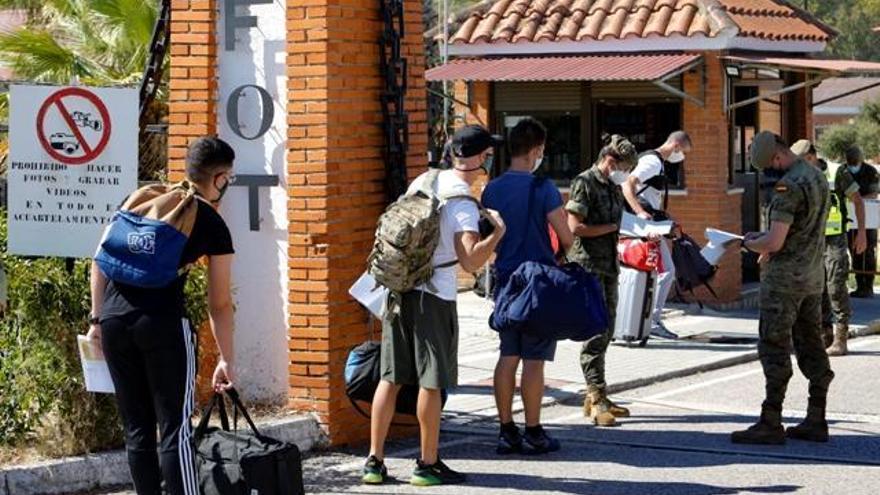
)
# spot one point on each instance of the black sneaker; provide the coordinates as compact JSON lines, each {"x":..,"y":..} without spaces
{"x":510,"y":441}
{"x":538,"y":441}
{"x":375,"y":472}
{"x":435,"y":474}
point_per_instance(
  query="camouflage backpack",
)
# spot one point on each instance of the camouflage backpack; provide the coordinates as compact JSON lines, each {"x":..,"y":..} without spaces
{"x":407,"y":236}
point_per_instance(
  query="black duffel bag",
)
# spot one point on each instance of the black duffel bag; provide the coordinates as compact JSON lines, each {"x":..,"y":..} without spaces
{"x":230,"y":462}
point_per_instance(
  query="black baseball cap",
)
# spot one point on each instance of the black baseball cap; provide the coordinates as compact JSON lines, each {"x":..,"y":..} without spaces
{"x":471,"y":140}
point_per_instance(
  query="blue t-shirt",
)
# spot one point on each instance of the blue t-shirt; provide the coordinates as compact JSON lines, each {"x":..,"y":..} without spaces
{"x":527,"y":237}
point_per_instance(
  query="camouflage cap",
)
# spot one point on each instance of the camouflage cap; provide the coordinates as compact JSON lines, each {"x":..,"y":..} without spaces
{"x":624,"y":149}
{"x":802,"y":147}
{"x":763,"y":149}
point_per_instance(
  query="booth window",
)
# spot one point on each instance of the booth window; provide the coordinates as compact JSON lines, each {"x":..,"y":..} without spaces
{"x":562,"y":151}
{"x":646,"y":124}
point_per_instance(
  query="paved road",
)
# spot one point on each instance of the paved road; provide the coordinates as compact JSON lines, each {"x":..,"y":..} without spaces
{"x":677,"y":443}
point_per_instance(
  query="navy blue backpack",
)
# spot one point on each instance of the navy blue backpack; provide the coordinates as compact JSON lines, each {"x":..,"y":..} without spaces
{"x":144,"y":243}
{"x":553,"y":302}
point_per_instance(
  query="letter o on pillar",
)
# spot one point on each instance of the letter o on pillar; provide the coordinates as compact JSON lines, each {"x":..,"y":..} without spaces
{"x":267,"y":112}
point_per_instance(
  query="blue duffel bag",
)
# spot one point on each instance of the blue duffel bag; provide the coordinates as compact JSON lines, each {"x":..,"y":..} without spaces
{"x":554,"y":302}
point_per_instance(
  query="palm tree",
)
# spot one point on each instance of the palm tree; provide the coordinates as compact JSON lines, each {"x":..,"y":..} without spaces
{"x":95,"y":42}
{"x":101,"y":42}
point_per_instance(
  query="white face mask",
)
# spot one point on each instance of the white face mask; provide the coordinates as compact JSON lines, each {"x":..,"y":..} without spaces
{"x":537,"y":165}
{"x":676,"y":157}
{"x":618,"y":177}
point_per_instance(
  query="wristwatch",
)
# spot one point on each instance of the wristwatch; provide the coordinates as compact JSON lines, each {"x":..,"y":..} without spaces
{"x":94,"y":320}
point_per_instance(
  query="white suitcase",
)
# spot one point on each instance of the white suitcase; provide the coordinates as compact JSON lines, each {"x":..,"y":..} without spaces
{"x":635,"y":302}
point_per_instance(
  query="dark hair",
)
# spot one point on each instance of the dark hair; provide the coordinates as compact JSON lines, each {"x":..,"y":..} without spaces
{"x":525,"y":136}
{"x":812,"y":150}
{"x":206,"y":157}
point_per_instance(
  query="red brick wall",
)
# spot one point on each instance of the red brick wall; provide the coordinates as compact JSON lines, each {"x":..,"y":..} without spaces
{"x":708,"y":203}
{"x":335,"y":173}
{"x":193,"y":79}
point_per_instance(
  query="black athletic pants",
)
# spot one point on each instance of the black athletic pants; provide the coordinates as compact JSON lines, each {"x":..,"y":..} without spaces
{"x":152,"y":361}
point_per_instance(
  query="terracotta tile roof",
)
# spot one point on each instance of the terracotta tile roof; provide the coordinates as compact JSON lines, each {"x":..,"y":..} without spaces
{"x":516,"y":21}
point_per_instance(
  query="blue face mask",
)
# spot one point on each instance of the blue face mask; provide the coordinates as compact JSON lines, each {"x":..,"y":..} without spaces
{"x":854,"y":169}
{"x":488,"y":164}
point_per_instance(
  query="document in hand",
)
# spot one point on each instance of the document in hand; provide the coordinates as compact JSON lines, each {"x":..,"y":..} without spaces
{"x":872,"y":214}
{"x":95,"y":369}
{"x":370,"y":294}
{"x":719,"y":243}
{"x":633,"y":226}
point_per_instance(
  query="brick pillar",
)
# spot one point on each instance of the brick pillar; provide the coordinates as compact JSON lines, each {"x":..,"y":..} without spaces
{"x":708,"y":202}
{"x":192,"y":109}
{"x":800,"y":111}
{"x":335,"y":173}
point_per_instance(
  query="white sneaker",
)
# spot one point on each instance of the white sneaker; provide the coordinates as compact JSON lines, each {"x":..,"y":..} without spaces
{"x":659,"y":330}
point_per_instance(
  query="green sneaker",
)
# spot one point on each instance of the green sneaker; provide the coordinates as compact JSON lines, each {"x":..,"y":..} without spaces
{"x":435,"y":474}
{"x":375,"y":472}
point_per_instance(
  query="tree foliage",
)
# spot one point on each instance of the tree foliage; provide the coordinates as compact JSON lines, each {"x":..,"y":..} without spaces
{"x":864,"y":130}
{"x":854,"y":20}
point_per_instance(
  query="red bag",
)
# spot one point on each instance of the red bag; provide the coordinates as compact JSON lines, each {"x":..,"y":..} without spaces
{"x":640,"y":255}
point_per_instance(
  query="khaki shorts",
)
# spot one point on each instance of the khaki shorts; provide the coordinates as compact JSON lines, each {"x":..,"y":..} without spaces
{"x":420,"y":344}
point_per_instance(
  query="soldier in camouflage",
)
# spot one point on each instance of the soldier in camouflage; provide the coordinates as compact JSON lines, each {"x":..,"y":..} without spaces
{"x":836,"y":307}
{"x":791,"y":292}
{"x":595,"y":208}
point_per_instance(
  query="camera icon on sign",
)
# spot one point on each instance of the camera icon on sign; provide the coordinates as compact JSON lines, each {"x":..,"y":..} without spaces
{"x":142,"y":243}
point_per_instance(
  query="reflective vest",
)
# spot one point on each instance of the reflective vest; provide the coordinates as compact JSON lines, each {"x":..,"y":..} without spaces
{"x":834,"y":224}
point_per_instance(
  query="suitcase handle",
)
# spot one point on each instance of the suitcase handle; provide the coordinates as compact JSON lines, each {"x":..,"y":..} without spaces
{"x":238,"y":406}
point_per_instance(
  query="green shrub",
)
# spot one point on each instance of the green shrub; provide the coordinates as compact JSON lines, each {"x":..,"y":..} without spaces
{"x":43,"y":401}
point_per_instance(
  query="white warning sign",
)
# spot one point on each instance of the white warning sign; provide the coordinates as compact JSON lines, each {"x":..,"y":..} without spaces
{"x":73,"y":158}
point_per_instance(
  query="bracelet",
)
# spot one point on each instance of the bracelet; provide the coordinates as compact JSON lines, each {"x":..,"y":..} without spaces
{"x":94,"y":320}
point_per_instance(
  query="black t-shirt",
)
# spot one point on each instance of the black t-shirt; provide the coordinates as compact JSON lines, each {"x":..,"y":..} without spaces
{"x":210,"y":237}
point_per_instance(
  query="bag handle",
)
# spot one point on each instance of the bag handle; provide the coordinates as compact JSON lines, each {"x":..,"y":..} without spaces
{"x":239,"y":407}
{"x":216,"y":400}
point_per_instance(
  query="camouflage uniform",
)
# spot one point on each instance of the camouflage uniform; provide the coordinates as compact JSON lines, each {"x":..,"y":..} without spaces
{"x":599,"y":202}
{"x":791,"y":289}
{"x":836,"y":306}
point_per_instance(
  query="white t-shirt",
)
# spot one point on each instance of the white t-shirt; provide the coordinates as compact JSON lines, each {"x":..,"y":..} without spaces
{"x":457,"y":215}
{"x":649,"y":167}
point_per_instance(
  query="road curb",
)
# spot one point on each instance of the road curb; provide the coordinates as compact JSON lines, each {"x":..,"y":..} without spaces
{"x":110,"y":469}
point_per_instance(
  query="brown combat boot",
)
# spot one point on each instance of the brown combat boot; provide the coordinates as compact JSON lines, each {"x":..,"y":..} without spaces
{"x":813,"y":428}
{"x":596,"y":408}
{"x":767,"y":431}
{"x":616,"y":410}
{"x":838,"y":348}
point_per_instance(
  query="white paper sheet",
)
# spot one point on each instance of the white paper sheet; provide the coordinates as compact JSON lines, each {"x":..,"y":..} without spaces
{"x":371,"y":295}
{"x":95,"y":369}
{"x":872,"y":214}
{"x":719,"y":243}
{"x":633,"y":226}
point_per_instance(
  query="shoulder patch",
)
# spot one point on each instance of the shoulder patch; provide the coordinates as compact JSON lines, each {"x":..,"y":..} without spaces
{"x":780,"y":188}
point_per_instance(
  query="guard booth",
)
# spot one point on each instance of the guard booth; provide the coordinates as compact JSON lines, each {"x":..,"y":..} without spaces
{"x":722,"y":70}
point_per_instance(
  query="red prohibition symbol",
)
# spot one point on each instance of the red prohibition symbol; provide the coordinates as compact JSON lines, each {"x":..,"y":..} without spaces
{"x":64,"y":146}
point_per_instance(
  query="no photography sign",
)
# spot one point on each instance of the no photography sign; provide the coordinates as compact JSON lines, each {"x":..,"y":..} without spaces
{"x":73,"y":158}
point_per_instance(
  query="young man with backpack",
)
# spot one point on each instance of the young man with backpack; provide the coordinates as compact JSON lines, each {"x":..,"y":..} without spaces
{"x":146,"y":337}
{"x":527,"y":204}
{"x":420,"y":333}
{"x":645,"y":193}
